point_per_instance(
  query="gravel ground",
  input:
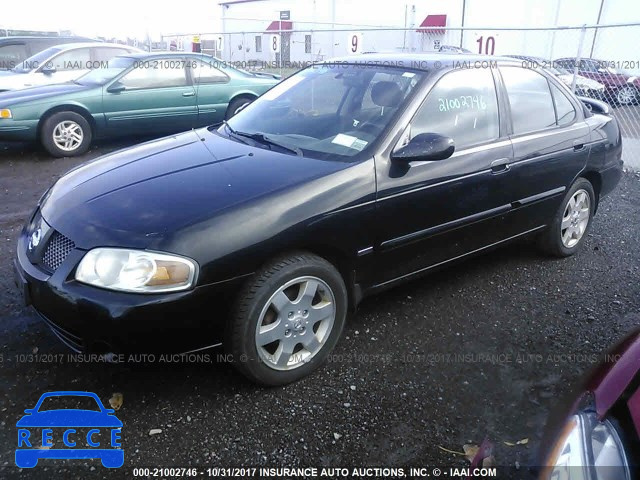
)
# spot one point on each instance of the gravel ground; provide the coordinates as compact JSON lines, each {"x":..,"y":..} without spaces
{"x":484,"y":349}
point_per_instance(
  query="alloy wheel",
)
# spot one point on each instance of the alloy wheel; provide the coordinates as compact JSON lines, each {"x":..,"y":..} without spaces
{"x":68,"y":135}
{"x":295,"y":323}
{"x":575,"y":218}
{"x":626,"y":95}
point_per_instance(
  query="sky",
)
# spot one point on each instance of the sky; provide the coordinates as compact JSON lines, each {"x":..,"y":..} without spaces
{"x":112,"y":18}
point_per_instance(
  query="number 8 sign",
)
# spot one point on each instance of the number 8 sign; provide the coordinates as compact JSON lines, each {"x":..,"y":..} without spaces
{"x":274,"y":43}
{"x":354,"y":43}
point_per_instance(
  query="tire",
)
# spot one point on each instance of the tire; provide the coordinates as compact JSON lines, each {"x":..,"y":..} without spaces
{"x":626,"y":95}
{"x":235,"y":105}
{"x":308,"y":326}
{"x":73,"y":129}
{"x":563,"y":242}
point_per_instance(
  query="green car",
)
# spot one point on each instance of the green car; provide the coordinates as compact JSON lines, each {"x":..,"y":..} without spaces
{"x":142,"y":93}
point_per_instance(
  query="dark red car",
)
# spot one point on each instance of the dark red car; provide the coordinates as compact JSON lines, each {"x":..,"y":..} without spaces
{"x":621,"y":88}
{"x":597,"y":435}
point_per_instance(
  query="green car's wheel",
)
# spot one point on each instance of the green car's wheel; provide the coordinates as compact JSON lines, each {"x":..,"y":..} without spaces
{"x":236,"y":105}
{"x":66,"y":134}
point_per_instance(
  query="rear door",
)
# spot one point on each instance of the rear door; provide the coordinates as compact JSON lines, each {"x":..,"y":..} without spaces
{"x":153,"y":96}
{"x":430,"y":212}
{"x":213,"y":91}
{"x":550,"y":141}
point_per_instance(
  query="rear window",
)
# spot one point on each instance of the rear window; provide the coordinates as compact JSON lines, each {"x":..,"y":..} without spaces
{"x":531,"y":103}
{"x":11,"y":55}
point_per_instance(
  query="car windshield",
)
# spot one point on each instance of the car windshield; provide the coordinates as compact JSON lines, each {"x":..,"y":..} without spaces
{"x":326,"y":110}
{"x":100,"y":76}
{"x":66,"y":402}
{"x":36,"y":60}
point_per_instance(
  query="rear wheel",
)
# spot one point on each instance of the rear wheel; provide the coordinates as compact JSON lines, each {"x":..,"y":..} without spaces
{"x":66,"y":134}
{"x":287,"y":319}
{"x":572,"y":221}
{"x":236,"y":105}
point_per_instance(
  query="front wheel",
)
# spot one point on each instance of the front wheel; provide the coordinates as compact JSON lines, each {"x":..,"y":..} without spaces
{"x":627,"y":95}
{"x":288,"y":318}
{"x":572,"y":221}
{"x":66,"y":134}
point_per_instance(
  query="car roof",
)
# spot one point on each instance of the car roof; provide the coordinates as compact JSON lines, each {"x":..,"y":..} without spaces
{"x":414,"y":61}
{"x":69,"y":46}
{"x":46,"y":37}
{"x":148,"y":55}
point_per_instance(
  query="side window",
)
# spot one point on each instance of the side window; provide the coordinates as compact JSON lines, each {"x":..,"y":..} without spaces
{"x":462,"y":105}
{"x":161,"y":75}
{"x":11,"y":55}
{"x":565,"y":112}
{"x":104,"y":54}
{"x":206,"y":73}
{"x":530,"y":99}
{"x":78,"y":59}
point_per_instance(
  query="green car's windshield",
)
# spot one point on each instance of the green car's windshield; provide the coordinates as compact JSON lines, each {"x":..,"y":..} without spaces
{"x":100,"y":76}
{"x":35,"y":61}
{"x":326,"y":110}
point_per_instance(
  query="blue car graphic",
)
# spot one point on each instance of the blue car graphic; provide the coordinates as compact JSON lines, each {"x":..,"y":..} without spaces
{"x":32,"y":447}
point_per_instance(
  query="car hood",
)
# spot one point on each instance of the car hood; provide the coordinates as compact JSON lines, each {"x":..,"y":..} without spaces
{"x":69,"y":418}
{"x":137,"y":196}
{"x":38,"y":93}
{"x":15,"y":81}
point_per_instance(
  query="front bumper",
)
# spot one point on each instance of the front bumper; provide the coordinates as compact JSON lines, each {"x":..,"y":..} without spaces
{"x":89,"y":319}
{"x":18,"y":130}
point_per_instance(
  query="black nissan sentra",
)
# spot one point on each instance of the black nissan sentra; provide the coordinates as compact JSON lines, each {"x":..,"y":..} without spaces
{"x":345,"y":179}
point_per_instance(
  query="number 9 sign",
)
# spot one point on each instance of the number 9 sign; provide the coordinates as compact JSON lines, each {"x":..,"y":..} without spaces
{"x":274,"y":43}
{"x":354,"y":43}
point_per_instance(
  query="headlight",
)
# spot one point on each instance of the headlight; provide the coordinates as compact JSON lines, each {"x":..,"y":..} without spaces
{"x":588,"y":449}
{"x":5,"y":113}
{"x":632,"y":79}
{"x":136,"y":271}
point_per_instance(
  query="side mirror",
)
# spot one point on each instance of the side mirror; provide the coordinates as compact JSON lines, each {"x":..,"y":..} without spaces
{"x":425,"y":146}
{"x":117,"y":87}
{"x":48,"y":70}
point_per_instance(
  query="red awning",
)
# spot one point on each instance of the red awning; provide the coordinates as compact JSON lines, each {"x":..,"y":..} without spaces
{"x":428,"y":24}
{"x":279,"y":25}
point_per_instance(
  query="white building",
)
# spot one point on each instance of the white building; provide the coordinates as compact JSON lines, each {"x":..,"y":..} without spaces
{"x":311,"y":30}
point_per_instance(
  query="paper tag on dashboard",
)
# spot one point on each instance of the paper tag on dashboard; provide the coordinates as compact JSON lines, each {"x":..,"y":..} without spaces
{"x":349,"y":141}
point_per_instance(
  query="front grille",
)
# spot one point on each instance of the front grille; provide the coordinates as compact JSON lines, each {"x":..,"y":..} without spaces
{"x":57,"y":250}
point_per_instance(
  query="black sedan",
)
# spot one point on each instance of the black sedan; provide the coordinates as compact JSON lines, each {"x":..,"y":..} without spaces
{"x":349,"y":177}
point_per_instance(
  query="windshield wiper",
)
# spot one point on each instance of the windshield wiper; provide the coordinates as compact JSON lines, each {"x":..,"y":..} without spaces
{"x":262,"y":138}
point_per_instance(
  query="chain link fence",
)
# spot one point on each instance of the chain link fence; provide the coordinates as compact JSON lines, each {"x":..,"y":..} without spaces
{"x":599,"y":61}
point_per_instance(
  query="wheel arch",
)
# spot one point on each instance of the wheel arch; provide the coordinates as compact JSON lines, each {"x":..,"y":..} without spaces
{"x":70,"y":107}
{"x":339,"y":259}
{"x":595,"y":180}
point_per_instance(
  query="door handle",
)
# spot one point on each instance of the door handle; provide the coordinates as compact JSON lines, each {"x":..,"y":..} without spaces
{"x":578,"y":146}
{"x":501,"y":165}
{"x":189,"y":94}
